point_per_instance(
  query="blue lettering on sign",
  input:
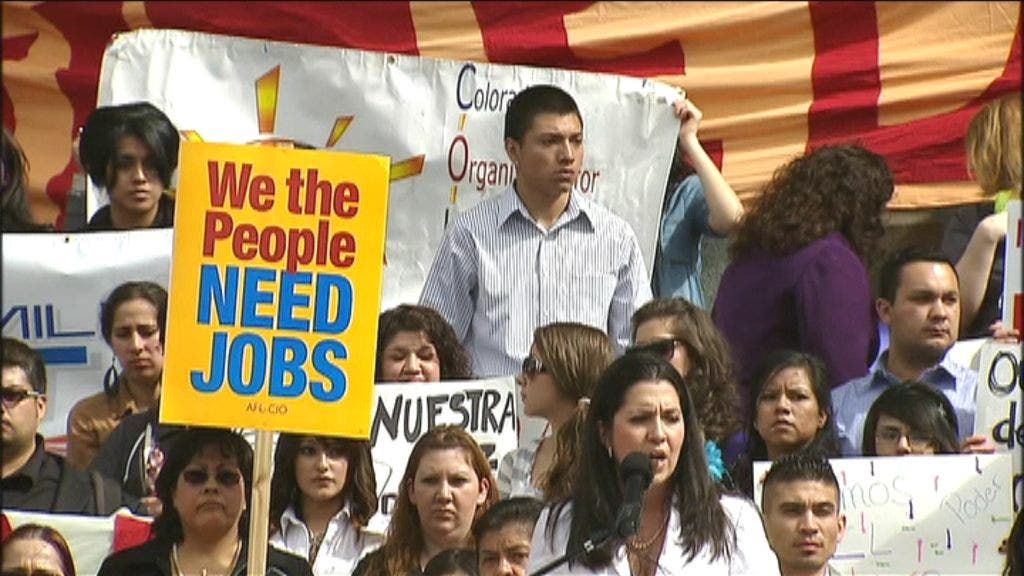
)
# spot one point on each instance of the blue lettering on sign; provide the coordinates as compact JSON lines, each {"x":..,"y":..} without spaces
{"x":40,"y":322}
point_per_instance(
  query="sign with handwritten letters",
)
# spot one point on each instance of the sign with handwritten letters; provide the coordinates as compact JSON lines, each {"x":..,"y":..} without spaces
{"x":404,"y":412}
{"x":1013,"y":291}
{"x":935,"y":515}
{"x":275,"y":289}
{"x":999,"y":410}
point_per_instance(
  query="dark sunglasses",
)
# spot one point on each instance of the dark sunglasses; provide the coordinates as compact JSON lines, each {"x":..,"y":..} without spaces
{"x":533,"y":366}
{"x":664,"y":348}
{"x":226,"y":478}
{"x":12,"y":397}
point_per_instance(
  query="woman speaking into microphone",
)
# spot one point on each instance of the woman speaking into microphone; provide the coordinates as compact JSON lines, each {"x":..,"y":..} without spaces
{"x":685,"y":525}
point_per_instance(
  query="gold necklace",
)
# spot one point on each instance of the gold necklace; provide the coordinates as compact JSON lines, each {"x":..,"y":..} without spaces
{"x":637,"y":545}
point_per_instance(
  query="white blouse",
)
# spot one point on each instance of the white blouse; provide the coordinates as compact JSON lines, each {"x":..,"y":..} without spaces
{"x":751,"y":554}
{"x":342,"y":548}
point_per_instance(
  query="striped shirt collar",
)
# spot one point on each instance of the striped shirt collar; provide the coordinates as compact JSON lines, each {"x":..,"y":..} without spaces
{"x":509,"y":203}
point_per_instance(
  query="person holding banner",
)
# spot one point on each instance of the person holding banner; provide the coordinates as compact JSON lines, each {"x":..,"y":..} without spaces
{"x":131,"y":150}
{"x":976,"y":234}
{"x":792,"y":413}
{"x":204,"y":486}
{"x":910,"y":418}
{"x":538,"y":252}
{"x":416,"y":344}
{"x":799,"y":272}
{"x":322,"y":496}
{"x":132,"y":321}
{"x":686,"y":524}
{"x":446,"y":487}
{"x":557,"y":380}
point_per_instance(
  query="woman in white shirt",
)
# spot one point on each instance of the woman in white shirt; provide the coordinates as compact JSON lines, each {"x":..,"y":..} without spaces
{"x":322,"y":496}
{"x":558,"y":376}
{"x":686,"y":525}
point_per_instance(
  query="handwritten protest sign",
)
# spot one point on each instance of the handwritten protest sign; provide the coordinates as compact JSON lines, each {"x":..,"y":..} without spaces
{"x":999,"y":405}
{"x":485,"y":408}
{"x":275,"y":289}
{"x":921,"y":514}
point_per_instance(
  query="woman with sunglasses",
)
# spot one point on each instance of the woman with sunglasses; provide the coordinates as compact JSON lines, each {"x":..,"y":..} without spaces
{"x":36,"y":550}
{"x":416,"y":344}
{"x":792,"y":411}
{"x":204,"y":487}
{"x":322,"y":496}
{"x":558,"y":377}
{"x":910,"y":418}
{"x":446,"y":487}
{"x":684,"y":335}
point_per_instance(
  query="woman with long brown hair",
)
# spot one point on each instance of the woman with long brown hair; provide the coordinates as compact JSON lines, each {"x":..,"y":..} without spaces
{"x":446,"y":487}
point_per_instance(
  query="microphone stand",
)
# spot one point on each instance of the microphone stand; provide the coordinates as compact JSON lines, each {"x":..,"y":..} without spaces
{"x":596,"y":540}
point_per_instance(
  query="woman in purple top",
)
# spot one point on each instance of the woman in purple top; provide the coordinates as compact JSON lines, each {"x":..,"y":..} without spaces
{"x":798,"y":277}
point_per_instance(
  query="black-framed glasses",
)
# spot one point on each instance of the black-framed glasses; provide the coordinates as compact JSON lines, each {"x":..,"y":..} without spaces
{"x":533,"y":366}
{"x":198,"y":477}
{"x":665,"y":348}
{"x":892,"y":436}
{"x":12,"y":397}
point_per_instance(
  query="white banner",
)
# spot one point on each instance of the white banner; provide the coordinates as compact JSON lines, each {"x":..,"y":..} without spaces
{"x":404,"y":412}
{"x":999,"y":414}
{"x":53,"y":286}
{"x":921,"y":514}
{"x":440,"y":121}
{"x":1013,"y":292}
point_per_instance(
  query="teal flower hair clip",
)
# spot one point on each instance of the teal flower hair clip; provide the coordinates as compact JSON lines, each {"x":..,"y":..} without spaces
{"x":716,"y":466}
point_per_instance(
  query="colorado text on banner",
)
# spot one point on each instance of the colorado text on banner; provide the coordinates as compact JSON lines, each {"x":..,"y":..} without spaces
{"x":403,"y":412}
{"x":275,"y":289}
{"x":53,"y":286}
{"x":773,"y":78}
{"x":441,"y":121}
{"x":914,"y":515}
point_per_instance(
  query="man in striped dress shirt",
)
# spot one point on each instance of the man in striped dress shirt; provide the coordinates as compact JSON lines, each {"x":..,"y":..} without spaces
{"x":538,"y":252}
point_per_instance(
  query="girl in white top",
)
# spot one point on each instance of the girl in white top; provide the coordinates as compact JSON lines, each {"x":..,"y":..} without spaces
{"x":322,"y":495}
{"x":686,"y":526}
{"x":565,"y":361}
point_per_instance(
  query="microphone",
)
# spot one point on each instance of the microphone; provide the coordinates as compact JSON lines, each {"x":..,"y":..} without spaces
{"x":635,"y":475}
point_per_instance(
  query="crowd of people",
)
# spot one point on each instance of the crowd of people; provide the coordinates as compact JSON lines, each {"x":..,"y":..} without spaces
{"x":541,"y":282}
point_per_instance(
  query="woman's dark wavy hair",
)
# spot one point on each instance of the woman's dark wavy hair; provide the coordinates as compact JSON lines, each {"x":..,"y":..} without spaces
{"x":167,"y":527}
{"x":921,"y":407}
{"x":703,"y":522}
{"x":711,"y":380}
{"x":455,"y":363}
{"x":106,"y":126}
{"x":825,"y":441}
{"x":359,"y":490}
{"x":824,"y":444}
{"x":838,"y":188}
{"x":151,"y":292}
{"x":29,"y":532}
{"x":15,"y":215}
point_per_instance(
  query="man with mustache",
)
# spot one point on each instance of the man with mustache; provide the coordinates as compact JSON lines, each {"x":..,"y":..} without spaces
{"x":919,"y":300}
{"x":800,"y":500}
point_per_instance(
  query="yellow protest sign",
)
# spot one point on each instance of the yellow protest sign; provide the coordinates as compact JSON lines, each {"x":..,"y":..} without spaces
{"x":275,"y":289}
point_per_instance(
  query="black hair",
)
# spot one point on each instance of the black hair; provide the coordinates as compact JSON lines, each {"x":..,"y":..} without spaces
{"x":799,"y":467}
{"x":17,"y":354}
{"x":454,"y":360}
{"x":143,"y":290}
{"x":167,"y":527}
{"x":15,"y":215}
{"x":921,"y":407}
{"x":889,"y":274}
{"x":452,"y":561}
{"x":106,"y":126}
{"x":535,"y":100}
{"x":703,"y":524}
{"x":518,"y":510}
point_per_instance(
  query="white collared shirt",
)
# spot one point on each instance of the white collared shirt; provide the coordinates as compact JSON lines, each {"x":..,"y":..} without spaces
{"x":343,"y":546}
{"x":498,"y":275}
{"x":751,"y":553}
